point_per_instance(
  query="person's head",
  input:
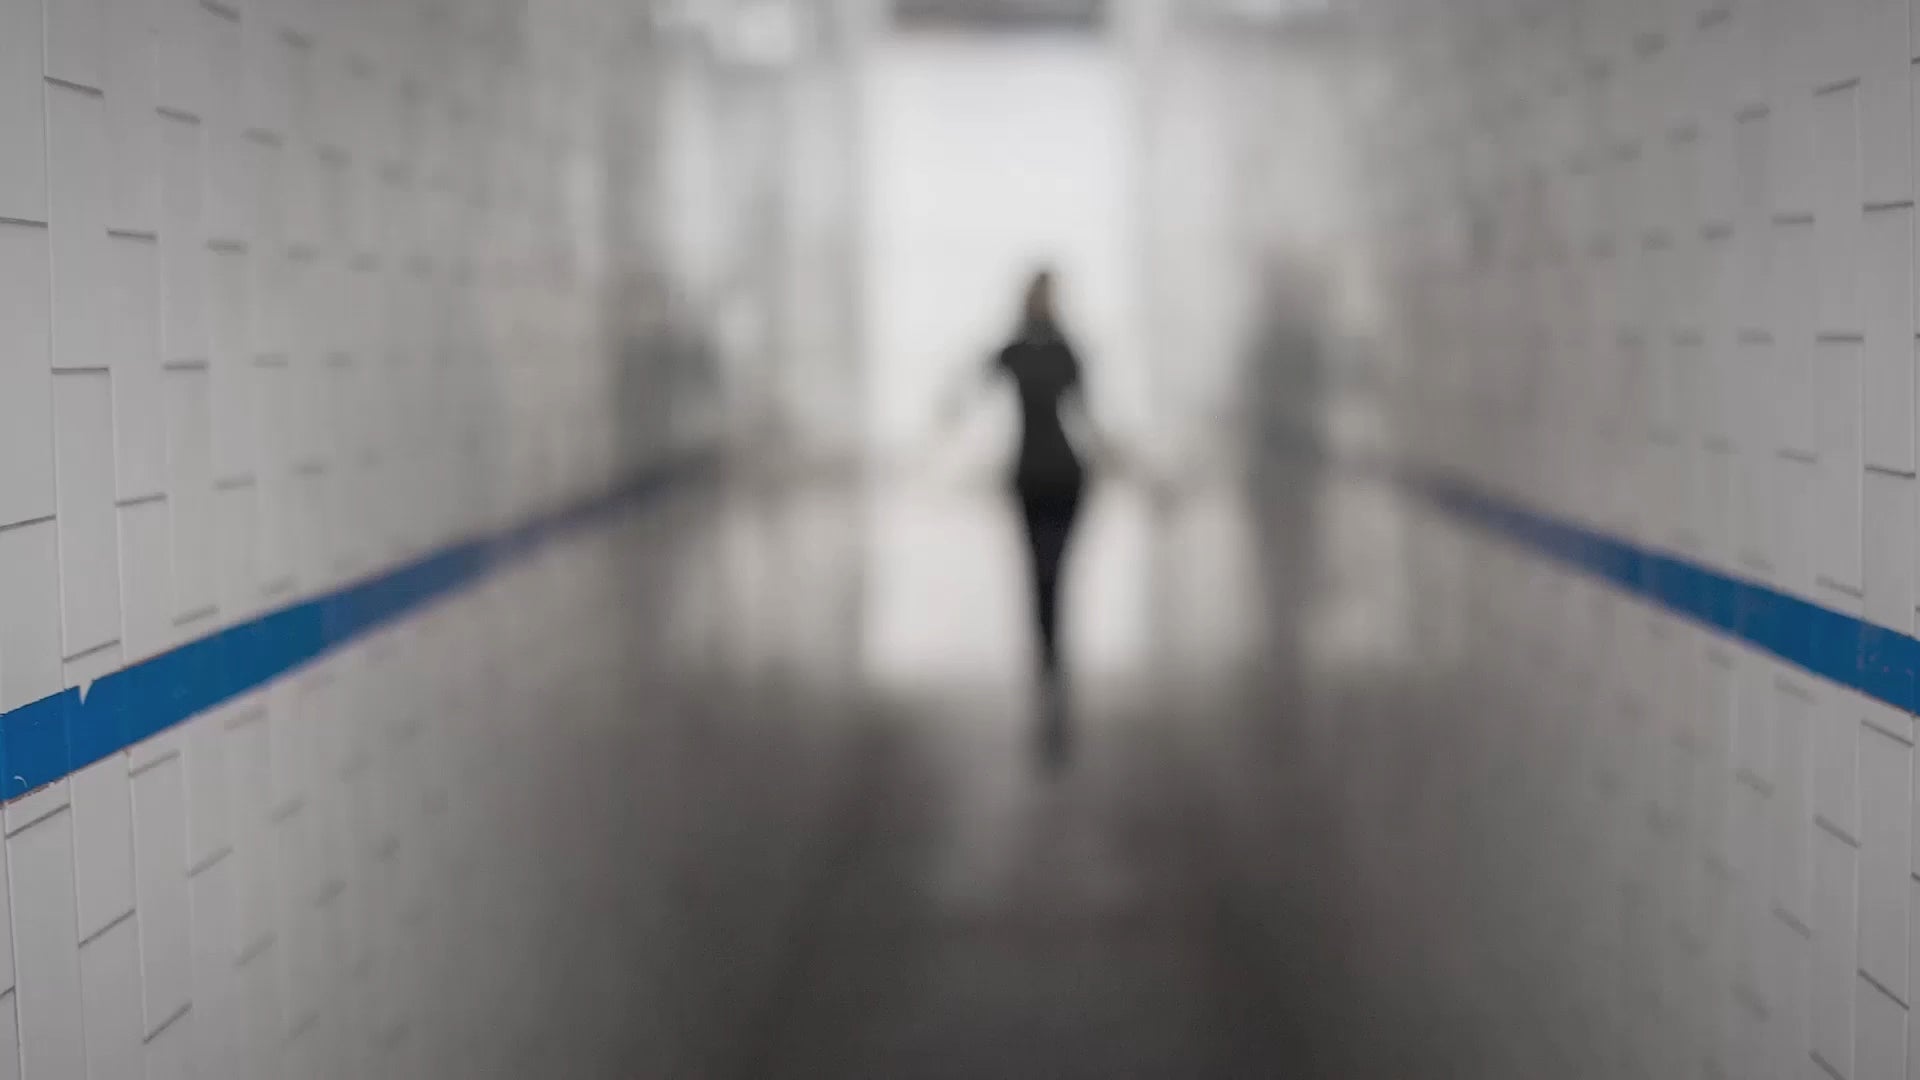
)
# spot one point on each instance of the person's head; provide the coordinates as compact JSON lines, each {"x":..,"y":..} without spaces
{"x":1037,"y":308}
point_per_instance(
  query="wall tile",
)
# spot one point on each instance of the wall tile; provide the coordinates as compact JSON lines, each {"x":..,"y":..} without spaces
{"x":160,"y":863}
{"x":26,"y":382}
{"x":89,"y":532}
{"x":110,"y":987}
{"x":102,"y":844}
{"x":46,"y":951}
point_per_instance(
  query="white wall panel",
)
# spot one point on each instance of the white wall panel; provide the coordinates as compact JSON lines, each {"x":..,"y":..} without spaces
{"x":160,"y":862}
{"x":26,"y":385}
{"x":89,"y":545}
{"x":1649,"y":268}
{"x":23,"y":117}
{"x":110,"y":986}
{"x":102,"y":844}
{"x":46,"y":955}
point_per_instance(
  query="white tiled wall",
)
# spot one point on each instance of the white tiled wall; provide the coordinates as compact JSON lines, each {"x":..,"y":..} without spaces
{"x":1650,"y":268}
{"x":286,"y":299}
{"x":292,"y":291}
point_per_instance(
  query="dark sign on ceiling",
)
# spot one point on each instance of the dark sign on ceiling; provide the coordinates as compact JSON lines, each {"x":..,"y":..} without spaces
{"x":999,"y":15}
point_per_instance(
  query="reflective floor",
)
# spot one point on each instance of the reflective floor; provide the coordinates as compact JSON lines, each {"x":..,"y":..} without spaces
{"x":1162,"y":899}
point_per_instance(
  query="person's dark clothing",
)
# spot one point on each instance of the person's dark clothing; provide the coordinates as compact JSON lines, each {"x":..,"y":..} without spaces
{"x":1044,"y":371}
{"x":1049,"y":475}
{"x":1049,"y":518}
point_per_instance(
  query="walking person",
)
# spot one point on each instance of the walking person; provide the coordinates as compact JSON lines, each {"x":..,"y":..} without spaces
{"x":1050,"y":474}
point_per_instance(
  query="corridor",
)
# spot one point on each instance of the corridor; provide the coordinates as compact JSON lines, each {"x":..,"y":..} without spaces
{"x":507,"y":565}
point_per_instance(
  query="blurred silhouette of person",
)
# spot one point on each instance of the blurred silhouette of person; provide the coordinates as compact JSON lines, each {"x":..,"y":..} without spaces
{"x":1050,"y":474}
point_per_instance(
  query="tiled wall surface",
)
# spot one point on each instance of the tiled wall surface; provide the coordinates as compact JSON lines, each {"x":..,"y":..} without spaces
{"x":291,"y":292}
{"x":290,"y":296}
{"x":1651,"y":271}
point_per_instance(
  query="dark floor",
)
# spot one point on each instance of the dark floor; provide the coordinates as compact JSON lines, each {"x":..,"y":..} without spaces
{"x":1122,"y":916}
{"x":990,"y":919}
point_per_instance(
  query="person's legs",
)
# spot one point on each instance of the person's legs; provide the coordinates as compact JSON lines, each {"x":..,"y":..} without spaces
{"x":1049,"y":519}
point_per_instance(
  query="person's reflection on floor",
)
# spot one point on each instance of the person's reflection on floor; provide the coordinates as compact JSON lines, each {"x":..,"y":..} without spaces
{"x":1049,"y":479}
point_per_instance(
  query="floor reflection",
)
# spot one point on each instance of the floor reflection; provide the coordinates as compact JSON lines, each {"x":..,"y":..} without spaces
{"x":1039,"y":885}
{"x":946,"y":610}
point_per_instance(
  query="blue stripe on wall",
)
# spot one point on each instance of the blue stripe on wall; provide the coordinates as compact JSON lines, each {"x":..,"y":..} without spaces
{"x":1877,"y":662}
{"x":50,"y":738}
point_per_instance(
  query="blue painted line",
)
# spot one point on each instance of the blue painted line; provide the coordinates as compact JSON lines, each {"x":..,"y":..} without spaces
{"x":1841,"y":648}
{"x":51,"y":738}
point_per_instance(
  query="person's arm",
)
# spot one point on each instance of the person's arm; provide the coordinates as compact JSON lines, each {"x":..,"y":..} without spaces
{"x":1098,"y":441}
{"x":1079,"y":420}
{"x":965,"y":392}
{"x":1077,"y":412}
